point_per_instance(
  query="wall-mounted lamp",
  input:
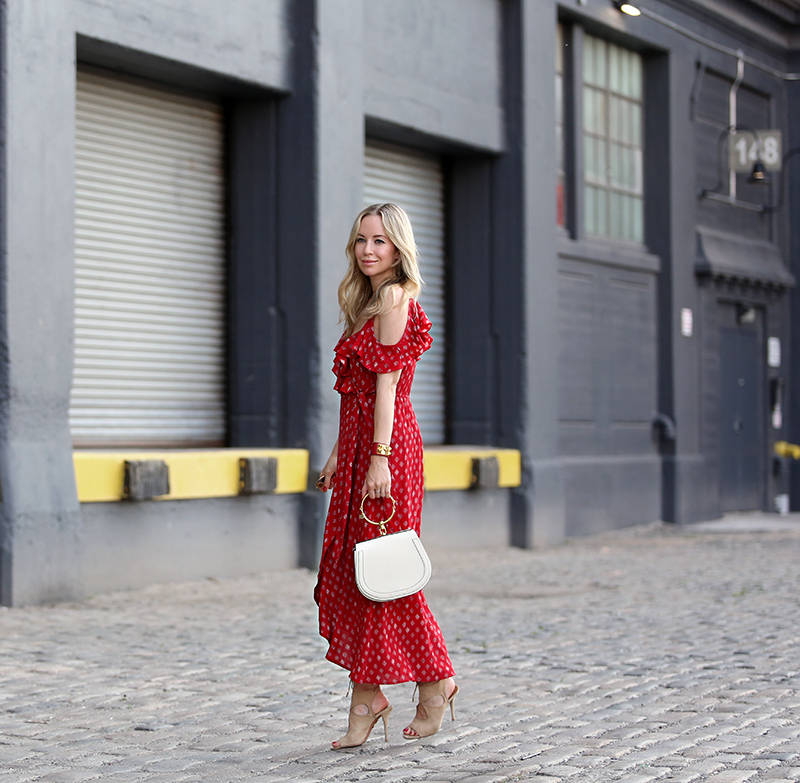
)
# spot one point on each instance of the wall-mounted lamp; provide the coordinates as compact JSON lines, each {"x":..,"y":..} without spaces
{"x":745,"y":313}
{"x":627,"y":8}
{"x":758,"y":174}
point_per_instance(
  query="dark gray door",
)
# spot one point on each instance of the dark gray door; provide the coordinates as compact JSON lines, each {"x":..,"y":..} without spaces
{"x":742,"y":432}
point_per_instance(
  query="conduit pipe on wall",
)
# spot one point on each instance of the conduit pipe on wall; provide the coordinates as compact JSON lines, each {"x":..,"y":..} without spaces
{"x":732,"y":107}
{"x":737,"y":53}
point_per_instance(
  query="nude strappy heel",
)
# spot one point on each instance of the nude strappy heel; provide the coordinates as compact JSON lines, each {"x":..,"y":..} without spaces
{"x":433,"y":701}
{"x":359,"y":727}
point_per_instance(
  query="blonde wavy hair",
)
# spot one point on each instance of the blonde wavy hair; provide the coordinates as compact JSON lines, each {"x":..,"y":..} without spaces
{"x":356,"y":298}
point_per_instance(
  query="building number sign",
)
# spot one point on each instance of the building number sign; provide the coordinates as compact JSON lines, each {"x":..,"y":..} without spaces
{"x":746,"y":148}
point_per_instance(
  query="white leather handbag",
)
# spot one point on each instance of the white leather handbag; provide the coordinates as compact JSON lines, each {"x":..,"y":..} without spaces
{"x":392,"y":565}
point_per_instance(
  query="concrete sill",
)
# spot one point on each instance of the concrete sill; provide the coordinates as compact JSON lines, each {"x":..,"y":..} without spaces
{"x":450,"y":467}
{"x":214,"y":473}
{"x":193,"y":473}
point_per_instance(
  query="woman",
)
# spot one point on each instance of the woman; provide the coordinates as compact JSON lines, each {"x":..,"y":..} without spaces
{"x":379,"y":454}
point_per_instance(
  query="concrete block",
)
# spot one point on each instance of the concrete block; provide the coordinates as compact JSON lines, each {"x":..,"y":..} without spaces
{"x":258,"y":475}
{"x":146,"y":479}
{"x":485,"y":473}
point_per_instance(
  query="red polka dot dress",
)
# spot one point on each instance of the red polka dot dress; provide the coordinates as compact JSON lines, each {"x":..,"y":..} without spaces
{"x":395,"y":641}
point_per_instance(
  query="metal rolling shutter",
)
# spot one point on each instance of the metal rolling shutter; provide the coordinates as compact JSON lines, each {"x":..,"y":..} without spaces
{"x":415,"y":182}
{"x":149,"y":268}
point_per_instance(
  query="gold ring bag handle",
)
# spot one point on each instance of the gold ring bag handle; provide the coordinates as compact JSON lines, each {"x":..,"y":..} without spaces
{"x":381,"y":523}
{"x":392,"y":565}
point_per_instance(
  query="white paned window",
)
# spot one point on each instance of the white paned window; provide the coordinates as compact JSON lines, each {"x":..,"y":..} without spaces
{"x":612,"y":141}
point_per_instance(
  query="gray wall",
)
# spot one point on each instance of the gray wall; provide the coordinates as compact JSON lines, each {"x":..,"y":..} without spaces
{"x":129,"y":545}
{"x":607,"y":348}
{"x":42,"y":535}
{"x":686,"y":87}
{"x":249,"y":41}
{"x":448,"y":83}
{"x":561,"y":347}
{"x":792,"y":237}
{"x":299,"y":102}
{"x":453,"y":521}
{"x":41,"y":522}
{"x":607,"y":394}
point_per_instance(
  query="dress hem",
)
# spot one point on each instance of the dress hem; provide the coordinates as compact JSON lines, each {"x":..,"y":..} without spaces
{"x":393,"y":681}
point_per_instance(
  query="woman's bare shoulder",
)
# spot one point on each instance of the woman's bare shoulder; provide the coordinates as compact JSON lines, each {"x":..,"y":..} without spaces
{"x":391,"y":324}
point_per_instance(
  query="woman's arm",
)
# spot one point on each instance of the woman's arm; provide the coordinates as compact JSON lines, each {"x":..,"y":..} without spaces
{"x":378,"y":482}
{"x":389,"y":328}
{"x":326,"y":474}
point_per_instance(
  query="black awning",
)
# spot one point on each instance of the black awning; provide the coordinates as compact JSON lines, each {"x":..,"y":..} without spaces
{"x":725,"y":255}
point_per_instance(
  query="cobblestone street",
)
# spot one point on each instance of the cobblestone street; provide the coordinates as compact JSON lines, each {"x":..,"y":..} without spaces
{"x":653,"y":654}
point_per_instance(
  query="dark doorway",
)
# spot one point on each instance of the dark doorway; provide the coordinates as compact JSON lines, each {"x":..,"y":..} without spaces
{"x":741,"y":435}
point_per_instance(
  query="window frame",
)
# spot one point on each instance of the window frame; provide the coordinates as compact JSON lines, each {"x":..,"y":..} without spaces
{"x":573,"y":180}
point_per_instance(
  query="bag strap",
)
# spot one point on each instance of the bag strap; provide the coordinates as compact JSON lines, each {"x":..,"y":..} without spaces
{"x":380,"y":523}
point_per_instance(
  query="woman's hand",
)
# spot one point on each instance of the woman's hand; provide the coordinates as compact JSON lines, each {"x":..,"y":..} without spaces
{"x":378,"y":483}
{"x":329,"y":471}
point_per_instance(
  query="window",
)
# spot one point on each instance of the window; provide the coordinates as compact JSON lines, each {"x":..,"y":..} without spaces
{"x":612,"y":140}
{"x":609,"y":137}
{"x":149,"y":267}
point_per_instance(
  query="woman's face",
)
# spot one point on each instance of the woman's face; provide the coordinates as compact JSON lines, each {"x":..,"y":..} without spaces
{"x":375,"y":253}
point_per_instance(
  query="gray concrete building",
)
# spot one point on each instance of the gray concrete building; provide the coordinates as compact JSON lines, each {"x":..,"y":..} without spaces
{"x":602,"y":201}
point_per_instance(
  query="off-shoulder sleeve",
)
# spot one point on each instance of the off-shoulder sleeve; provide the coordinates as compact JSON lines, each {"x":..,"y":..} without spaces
{"x":416,"y":339}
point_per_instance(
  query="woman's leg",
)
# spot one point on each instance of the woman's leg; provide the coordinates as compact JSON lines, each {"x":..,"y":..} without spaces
{"x":367,"y":706}
{"x":433,"y":700}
